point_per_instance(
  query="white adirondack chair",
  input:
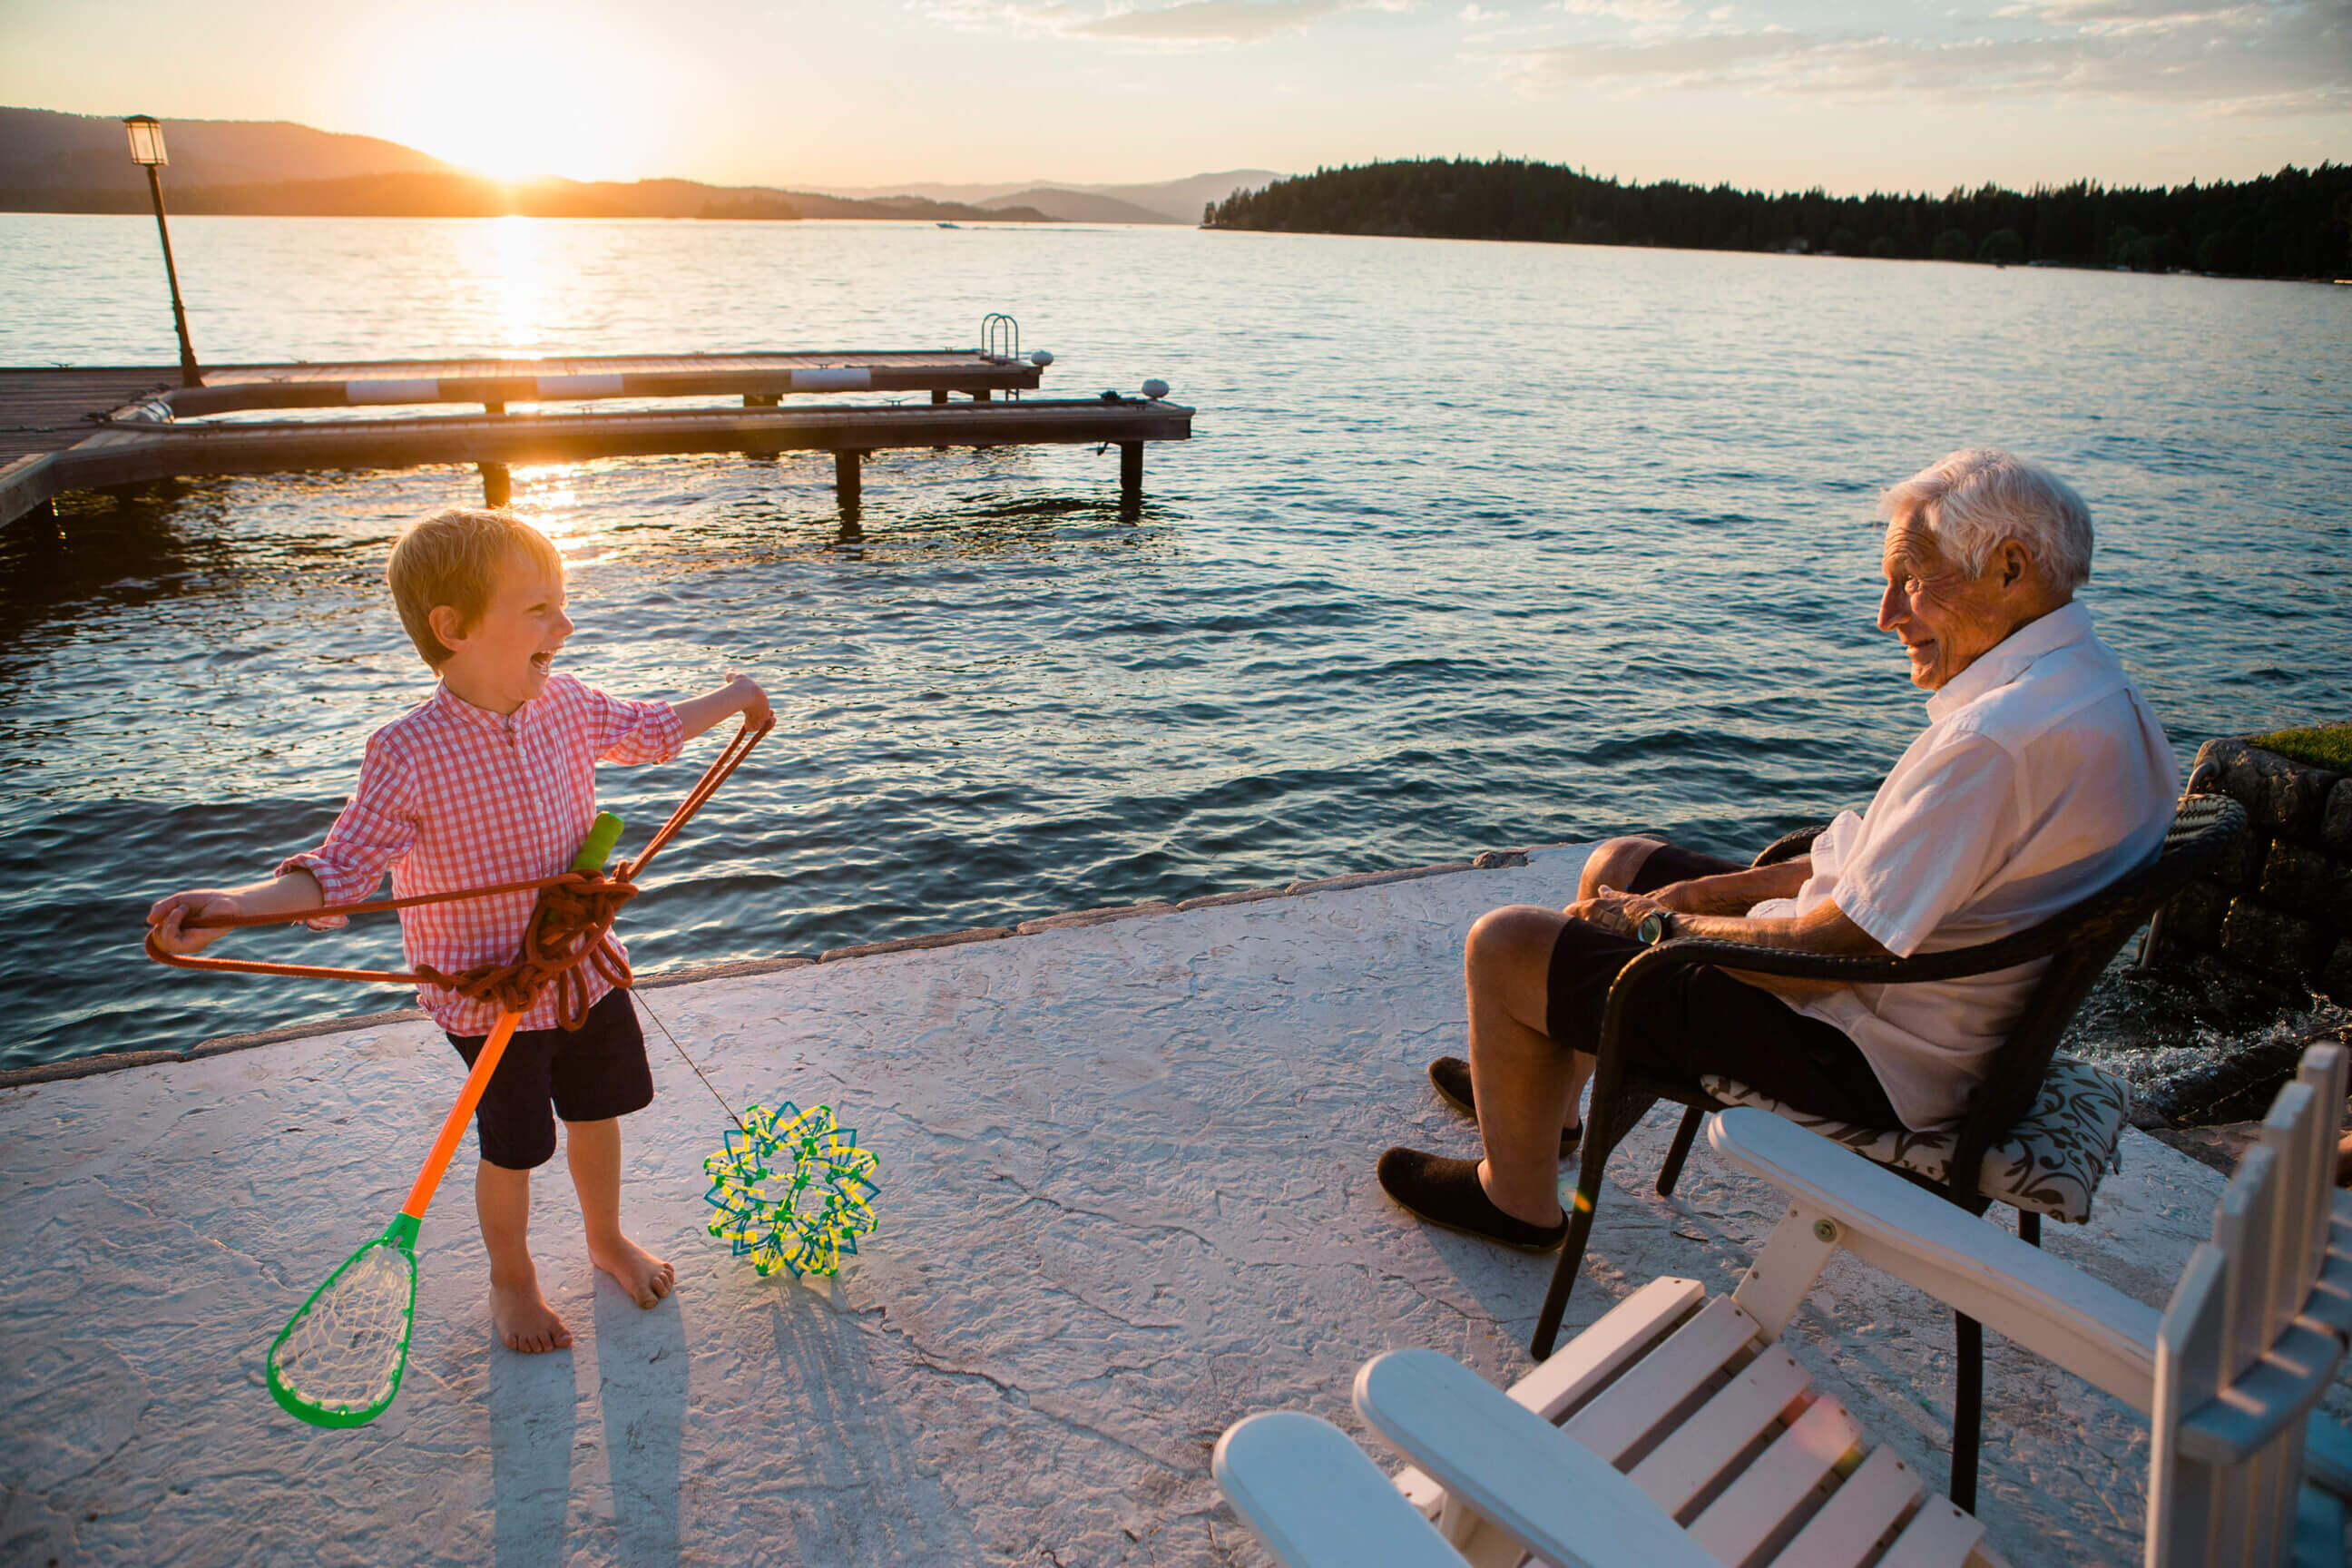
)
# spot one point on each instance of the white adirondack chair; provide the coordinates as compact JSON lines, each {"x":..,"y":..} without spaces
{"x":1676,"y":1430}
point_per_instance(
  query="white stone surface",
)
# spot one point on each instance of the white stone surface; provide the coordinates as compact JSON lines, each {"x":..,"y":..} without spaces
{"x":1127,"y":1199}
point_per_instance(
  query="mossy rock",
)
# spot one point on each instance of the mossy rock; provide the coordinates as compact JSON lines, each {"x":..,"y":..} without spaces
{"x":2326,"y":746}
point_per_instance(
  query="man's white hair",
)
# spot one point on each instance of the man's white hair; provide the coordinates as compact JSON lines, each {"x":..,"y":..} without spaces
{"x":1972,"y":500}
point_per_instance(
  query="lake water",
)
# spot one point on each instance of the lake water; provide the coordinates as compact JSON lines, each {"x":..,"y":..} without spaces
{"x":1475,"y":545}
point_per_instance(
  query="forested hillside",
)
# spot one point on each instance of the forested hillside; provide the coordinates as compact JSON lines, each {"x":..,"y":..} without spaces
{"x":2294,"y":224}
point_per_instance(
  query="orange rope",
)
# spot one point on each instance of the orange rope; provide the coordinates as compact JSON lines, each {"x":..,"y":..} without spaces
{"x":567,"y":929}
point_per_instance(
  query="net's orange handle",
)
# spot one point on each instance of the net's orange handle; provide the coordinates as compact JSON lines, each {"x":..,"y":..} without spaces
{"x":453,"y":1126}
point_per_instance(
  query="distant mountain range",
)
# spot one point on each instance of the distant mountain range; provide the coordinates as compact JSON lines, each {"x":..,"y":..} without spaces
{"x":1170,"y":200}
{"x":51,"y":162}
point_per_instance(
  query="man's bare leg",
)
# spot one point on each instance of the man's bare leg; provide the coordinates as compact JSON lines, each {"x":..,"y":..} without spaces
{"x":1523,"y":1081}
{"x":1614,"y":863}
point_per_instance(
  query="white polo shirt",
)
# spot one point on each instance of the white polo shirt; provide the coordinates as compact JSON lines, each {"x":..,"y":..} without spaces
{"x":2040,"y":778}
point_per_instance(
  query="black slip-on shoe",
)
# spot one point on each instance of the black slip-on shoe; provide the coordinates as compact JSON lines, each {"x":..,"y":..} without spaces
{"x":1446,"y":1192}
{"x":1451,"y":1076}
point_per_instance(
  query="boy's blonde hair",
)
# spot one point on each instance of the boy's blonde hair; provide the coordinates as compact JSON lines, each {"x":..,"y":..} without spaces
{"x":452,"y":558}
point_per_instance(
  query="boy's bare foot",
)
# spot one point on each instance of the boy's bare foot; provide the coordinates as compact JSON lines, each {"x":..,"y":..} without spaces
{"x":524,"y":1320}
{"x":646,"y":1277}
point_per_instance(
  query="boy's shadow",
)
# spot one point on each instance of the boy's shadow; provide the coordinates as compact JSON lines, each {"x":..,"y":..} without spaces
{"x":642,"y":1376}
{"x":534,"y":1427}
{"x":534,"y":1413}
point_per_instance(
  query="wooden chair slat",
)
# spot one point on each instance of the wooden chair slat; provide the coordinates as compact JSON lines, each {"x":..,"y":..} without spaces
{"x":1757,"y":1506}
{"x":1628,"y":1409}
{"x":2286,"y":1133}
{"x":1863,"y":1509}
{"x":2328,"y":1070}
{"x":2187,"y":1373}
{"x":2242,"y":1229}
{"x":1621,"y":1336}
{"x":1744,"y":1409}
{"x":1939,"y":1536}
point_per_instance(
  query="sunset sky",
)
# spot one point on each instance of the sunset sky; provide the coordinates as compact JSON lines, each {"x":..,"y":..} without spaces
{"x":1894,"y":95}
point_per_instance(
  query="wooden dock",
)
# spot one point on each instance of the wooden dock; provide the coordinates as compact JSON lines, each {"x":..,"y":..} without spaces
{"x":66,"y":430}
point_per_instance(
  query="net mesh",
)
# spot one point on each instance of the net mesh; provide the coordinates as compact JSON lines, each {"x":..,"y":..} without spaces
{"x":343,"y":1353}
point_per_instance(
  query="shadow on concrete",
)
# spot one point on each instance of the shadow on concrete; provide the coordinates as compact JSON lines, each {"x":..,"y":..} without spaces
{"x":866,"y":1496}
{"x":642,"y":1378}
{"x":534,"y":1412}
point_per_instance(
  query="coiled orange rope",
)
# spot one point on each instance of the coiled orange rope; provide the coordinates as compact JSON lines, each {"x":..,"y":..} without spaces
{"x":568,"y":926}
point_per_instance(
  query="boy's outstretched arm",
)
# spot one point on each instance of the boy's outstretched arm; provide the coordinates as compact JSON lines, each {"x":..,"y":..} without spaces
{"x":741,"y":694}
{"x":286,"y":895}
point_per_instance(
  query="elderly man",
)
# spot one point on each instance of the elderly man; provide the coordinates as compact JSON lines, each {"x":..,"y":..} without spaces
{"x":2041,"y":776}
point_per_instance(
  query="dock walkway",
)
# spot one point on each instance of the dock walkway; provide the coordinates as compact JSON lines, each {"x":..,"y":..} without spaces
{"x":63,"y":430}
{"x":1127,"y":1198}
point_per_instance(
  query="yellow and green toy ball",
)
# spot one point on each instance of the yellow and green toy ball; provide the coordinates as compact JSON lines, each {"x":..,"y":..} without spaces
{"x":793,"y":1190}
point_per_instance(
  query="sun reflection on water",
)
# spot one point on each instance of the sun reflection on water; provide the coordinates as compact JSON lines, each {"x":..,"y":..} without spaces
{"x":522,"y":281}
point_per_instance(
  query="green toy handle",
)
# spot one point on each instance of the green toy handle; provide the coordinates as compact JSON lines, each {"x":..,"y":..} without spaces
{"x":597,"y":847}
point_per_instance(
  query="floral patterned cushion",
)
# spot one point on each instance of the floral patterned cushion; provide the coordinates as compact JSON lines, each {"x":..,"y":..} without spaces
{"x":2050,"y":1163}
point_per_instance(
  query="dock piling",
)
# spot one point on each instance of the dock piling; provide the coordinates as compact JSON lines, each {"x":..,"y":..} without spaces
{"x":1130,"y":478}
{"x":497,"y":484}
{"x":846,"y":480}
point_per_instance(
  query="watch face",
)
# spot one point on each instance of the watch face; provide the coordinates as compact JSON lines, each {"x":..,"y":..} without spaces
{"x":1652,"y":927}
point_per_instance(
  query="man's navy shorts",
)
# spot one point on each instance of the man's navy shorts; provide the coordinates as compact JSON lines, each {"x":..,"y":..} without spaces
{"x":597,"y":1072}
{"x":1699,"y":1020}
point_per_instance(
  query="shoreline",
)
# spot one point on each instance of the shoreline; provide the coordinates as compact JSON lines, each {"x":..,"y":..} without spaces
{"x":219,"y":1044}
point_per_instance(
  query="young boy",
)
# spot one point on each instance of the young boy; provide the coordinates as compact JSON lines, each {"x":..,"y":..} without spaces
{"x":493,"y":781}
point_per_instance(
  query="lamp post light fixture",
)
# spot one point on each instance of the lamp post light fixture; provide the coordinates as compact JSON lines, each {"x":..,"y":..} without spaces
{"x":147,"y":152}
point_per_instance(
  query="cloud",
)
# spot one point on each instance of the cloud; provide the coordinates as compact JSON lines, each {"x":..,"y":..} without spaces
{"x":1628,"y":10}
{"x":1183,"y":22}
{"x":2261,"y":58}
{"x":1215,"y":21}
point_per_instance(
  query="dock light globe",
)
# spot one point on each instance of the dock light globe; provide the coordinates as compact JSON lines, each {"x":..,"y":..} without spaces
{"x":1042,"y":358}
{"x":146,"y":140}
{"x":1155,"y":389}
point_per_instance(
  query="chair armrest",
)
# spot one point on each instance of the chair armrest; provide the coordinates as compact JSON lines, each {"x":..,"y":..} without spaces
{"x":2019,"y":1291}
{"x":1795,"y":965}
{"x":1791,"y":845}
{"x":1526,"y":1477}
{"x":1315,"y":1499}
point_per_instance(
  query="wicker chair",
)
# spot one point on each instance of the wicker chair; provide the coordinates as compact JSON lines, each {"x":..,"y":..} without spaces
{"x":2079,"y":943}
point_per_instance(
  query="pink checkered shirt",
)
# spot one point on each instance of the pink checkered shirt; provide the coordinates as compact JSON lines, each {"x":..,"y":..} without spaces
{"x":452,"y":795}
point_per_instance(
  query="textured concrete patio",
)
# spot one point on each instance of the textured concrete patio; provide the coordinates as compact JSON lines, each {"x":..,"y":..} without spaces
{"x":1127,"y":1199}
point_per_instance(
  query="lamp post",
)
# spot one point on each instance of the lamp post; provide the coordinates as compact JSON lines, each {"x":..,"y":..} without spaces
{"x":147,"y":152}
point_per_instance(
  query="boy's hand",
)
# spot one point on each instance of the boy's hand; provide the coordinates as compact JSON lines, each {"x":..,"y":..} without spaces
{"x":170,"y":916}
{"x":741,"y":694}
{"x":754,"y":702}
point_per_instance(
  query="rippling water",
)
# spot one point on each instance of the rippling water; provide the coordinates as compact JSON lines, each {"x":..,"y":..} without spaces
{"x":1473,"y":545}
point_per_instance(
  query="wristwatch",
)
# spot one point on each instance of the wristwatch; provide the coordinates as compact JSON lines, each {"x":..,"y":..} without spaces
{"x":1655,"y":928}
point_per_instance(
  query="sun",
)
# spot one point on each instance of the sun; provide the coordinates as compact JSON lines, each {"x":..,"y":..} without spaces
{"x":513,"y":100}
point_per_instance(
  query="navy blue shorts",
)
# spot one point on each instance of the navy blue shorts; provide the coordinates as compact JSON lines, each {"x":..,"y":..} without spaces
{"x":596,"y":1073}
{"x":1698,"y":1021}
